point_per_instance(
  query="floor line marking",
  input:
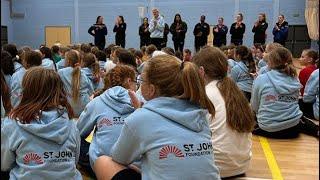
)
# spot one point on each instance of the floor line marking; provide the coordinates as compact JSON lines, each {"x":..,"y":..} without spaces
{"x":272,"y":162}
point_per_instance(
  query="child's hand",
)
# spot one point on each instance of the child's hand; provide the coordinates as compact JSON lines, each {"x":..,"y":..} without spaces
{"x":134,"y":100}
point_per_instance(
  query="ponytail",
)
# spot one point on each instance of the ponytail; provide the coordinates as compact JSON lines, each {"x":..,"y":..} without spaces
{"x":240,"y":116}
{"x":75,"y":83}
{"x":289,"y":70}
{"x":194,"y":87}
{"x":280,"y":59}
{"x":95,"y":68}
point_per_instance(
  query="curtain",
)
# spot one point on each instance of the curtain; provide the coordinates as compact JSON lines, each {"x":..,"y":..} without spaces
{"x":312,"y":18}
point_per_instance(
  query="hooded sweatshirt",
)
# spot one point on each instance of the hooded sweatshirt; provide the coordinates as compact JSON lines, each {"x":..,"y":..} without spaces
{"x":263,"y":70}
{"x":61,"y":64}
{"x":47,"y":147}
{"x":275,"y":100}
{"x":86,"y":89}
{"x":173,"y":139}
{"x":116,"y":105}
{"x":240,"y":75}
{"x":17,"y":66}
{"x":16,"y":87}
{"x":311,"y":92}
{"x":96,"y":84}
{"x":261,"y":63}
{"x":48,"y":64}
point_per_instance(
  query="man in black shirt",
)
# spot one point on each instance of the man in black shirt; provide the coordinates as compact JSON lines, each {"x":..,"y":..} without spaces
{"x":237,"y":30}
{"x":201,"y":32}
{"x":259,"y":30}
{"x":99,"y":31}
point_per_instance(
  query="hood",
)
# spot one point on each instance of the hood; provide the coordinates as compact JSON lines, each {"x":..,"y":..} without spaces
{"x":52,"y":125}
{"x":282,"y":83}
{"x":46,"y":62}
{"x":180,"y":111}
{"x":87,"y":72}
{"x":118,"y":99}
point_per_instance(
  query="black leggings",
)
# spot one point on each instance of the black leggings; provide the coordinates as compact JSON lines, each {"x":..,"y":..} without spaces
{"x":307,"y":109}
{"x":305,"y":126}
{"x":178,"y":45}
{"x":247,"y":95}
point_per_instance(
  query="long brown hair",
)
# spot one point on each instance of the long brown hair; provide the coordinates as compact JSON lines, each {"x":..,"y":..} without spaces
{"x":246,"y":57}
{"x":116,"y":77}
{"x":73,"y":60}
{"x":281,"y":59}
{"x":175,"y":79}
{"x":5,"y":95}
{"x":240,"y":117}
{"x":89,"y":60}
{"x":42,"y":90}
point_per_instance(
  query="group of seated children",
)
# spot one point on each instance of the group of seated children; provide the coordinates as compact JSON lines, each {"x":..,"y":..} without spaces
{"x":154,"y":114}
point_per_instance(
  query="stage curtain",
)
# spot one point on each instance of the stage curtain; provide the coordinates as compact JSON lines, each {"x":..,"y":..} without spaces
{"x":312,"y":18}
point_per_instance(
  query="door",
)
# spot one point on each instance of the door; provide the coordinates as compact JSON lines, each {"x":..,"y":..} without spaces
{"x":57,"y":34}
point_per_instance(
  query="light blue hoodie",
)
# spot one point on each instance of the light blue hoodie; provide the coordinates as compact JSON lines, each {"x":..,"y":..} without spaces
{"x":47,"y":148}
{"x":17,"y":66}
{"x":16,"y":87}
{"x":61,"y":64}
{"x":115,"y":106}
{"x":275,"y":100}
{"x":3,"y":111}
{"x":240,"y":75}
{"x":48,"y":64}
{"x":263,"y":70}
{"x":102,"y":64}
{"x":262,"y":63}
{"x":231,"y":64}
{"x":156,"y":31}
{"x":311,"y":92}
{"x":86,"y":89}
{"x":173,"y":139}
{"x":89,"y":74}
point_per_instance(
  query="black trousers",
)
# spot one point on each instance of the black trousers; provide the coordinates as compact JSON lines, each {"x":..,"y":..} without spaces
{"x":157,"y":42}
{"x":283,"y":43}
{"x":84,"y":158}
{"x":198,"y":43}
{"x":307,"y":109}
{"x":121,"y":42}
{"x":305,"y":126}
{"x":178,"y":45}
{"x":100,"y":44}
{"x":219,"y":43}
{"x":237,"y":42}
{"x":144,"y":43}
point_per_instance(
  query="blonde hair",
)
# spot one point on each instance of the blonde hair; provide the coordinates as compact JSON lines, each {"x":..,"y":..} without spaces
{"x":240,"y":116}
{"x":175,"y":79}
{"x":73,"y":60}
{"x":281,"y":59}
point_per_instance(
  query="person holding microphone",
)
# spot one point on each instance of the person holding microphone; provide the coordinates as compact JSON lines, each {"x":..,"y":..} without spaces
{"x":99,"y":31}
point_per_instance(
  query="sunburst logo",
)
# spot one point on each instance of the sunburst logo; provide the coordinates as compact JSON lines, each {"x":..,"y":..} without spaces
{"x":32,"y":157}
{"x":165,"y":151}
{"x":104,"y":122}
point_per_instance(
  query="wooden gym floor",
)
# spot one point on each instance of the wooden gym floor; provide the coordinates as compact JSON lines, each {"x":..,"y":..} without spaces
{"x":294,"y":159}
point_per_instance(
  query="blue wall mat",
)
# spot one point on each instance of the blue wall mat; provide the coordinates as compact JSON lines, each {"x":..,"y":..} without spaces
{"x":41,"y":13}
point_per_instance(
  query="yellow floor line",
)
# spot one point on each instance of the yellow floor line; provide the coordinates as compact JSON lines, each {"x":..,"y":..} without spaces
{"x":273,"y":166}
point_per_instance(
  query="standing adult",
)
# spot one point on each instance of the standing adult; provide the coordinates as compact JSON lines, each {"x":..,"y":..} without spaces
{"x":99,"y":31}
{"x":120,"y":30}
{"x":237,"y":30}
{"x":220,"y":33}
{"x":165,"y":35}
{"x":280,"y":31}
{"x":144,"y":33}
{"x":201,"y":32}
{"x":259,"y":30}
{"x":178,"y":30}
{"x":156,"y":28}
